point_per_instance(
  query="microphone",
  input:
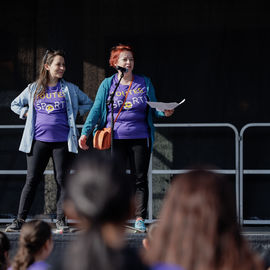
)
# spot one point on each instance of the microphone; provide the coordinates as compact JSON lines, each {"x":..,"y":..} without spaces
{"x":122,"y":69}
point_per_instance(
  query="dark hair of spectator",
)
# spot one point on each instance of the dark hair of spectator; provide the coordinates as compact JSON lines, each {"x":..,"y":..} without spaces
{"x":102,"y":194}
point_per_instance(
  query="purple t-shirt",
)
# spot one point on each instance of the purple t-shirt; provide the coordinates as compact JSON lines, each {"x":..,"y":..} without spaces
{"x":41,"y":265}
{"x":51,"y":116}
{"x":166,"y":266}
{"x":131,"y":122}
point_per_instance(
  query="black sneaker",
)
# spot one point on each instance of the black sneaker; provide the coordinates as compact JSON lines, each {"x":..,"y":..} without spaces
{"x":15,"y":226}
{"x":61,"y":225}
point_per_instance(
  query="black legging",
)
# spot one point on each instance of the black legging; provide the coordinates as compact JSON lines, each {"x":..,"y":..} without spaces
{"x":37,"y":161}
{"x":138,"y":153}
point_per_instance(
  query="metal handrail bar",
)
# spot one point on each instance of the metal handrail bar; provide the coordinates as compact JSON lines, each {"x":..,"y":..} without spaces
{"x":243,"y":171}
{"x":49,"y":220}
{"x":151,"y":171}
{"x":254,"y":222}
{"x":225,"y":171}
{"x":22,"y":126}
{"x":261,"y":171}
{"x":20,"y":172}
{"x":11,"y":126}
{"x":192,"y":125}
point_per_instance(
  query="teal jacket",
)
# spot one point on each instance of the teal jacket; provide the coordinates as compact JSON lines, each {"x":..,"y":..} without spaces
{"x":97,"y":117}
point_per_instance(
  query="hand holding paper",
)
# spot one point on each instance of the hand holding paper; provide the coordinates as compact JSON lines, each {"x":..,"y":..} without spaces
{"x":162,"y":106}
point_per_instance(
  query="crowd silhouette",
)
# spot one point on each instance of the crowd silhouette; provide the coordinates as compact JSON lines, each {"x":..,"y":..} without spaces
{"x":197,"y":227}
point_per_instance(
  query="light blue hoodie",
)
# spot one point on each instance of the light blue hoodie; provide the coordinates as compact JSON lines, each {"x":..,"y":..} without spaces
{"x":76,"y":101}
{"x":97,"y":118}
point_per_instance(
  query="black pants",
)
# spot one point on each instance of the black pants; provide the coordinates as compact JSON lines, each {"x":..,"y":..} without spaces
{"x":138,"y":153}
{"x":37,"y":161}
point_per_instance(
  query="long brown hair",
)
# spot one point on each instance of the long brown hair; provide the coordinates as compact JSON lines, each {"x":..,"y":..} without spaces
{"x":4,"y":248}
{"x":43,"y":79}
{"x":33,"y":236}
{"x":198,"y":228}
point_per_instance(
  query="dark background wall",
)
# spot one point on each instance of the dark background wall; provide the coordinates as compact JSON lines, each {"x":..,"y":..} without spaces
{"x":213,"y":53}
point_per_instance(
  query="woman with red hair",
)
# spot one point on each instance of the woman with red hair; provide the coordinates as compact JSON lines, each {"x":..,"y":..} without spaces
{"x":134,"y":129}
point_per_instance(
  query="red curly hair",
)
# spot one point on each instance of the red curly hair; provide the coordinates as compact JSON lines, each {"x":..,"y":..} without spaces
{"x":115,"y":52}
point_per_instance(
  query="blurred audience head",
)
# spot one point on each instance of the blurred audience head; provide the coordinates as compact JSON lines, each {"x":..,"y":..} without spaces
{"x":265,"y":255}
{"x":4,"y":251}
{"x":98,"y":192}
{"x":198,"y":226}
{"x":100,"y":195}
{"x":35,"y":244}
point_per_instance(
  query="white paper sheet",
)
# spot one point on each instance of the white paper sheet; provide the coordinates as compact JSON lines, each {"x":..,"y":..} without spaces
{"x":162,"y":106}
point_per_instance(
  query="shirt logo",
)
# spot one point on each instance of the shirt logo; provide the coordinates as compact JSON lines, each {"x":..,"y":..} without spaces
{"x":49,"y":108}
{"x":128,"y":105}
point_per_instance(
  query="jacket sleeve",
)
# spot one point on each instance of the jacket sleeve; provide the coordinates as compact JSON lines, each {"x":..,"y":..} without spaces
{"x":20,"y":104}
{"x":96,"y":111}
{"x":84,"y":102}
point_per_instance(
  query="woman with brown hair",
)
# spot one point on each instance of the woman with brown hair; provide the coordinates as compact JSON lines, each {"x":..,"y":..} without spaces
{"x":198,"y":229}
{"x":35,"y":246}
{"x":4,"y":251}
{"x":50,"y":106}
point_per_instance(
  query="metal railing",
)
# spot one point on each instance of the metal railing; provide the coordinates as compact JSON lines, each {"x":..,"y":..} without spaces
{"x":160,"y":172}
{"x":248,"y":171}
{"x":17,"y":172}
{"x":196,"y":125}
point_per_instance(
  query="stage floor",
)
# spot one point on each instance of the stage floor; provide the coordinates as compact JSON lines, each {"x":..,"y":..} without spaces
{"x":258,"y":237}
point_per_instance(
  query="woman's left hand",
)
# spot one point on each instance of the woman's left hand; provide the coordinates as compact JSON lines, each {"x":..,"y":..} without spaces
{"x":82,"y":142}
{"x":168,"y":112}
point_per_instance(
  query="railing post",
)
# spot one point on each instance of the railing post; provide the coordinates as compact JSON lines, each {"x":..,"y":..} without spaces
{"x":236,"y":170}
{"x":150,"y":185}
{"x":242,"y":172}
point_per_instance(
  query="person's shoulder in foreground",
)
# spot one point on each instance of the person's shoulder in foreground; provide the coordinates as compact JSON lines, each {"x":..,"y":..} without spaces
{"x":166,"y":266}
{"x":41,"y":265}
